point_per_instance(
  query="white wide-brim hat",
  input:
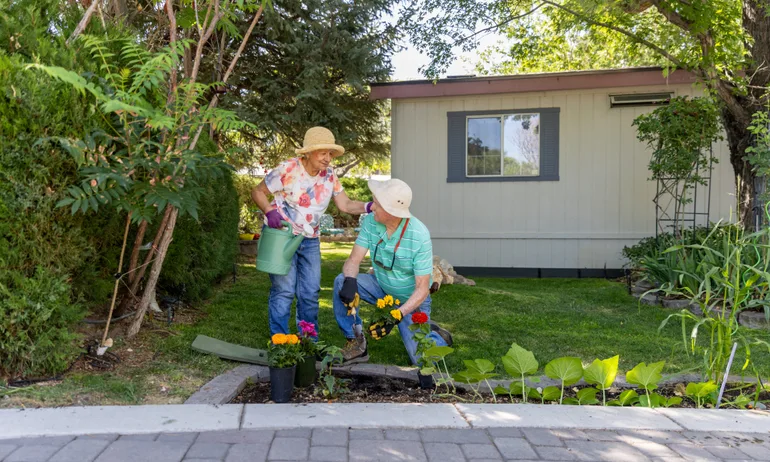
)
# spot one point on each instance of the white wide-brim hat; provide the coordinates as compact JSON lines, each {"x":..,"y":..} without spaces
{"x":320,"y":138}
{"x":394,"y":195}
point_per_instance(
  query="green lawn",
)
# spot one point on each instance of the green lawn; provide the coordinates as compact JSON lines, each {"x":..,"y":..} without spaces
{"x":588,"y":318}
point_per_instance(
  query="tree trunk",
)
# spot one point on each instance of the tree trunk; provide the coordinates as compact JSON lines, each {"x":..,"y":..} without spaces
{"x":152,"y":281}
{"x":738,"y":139}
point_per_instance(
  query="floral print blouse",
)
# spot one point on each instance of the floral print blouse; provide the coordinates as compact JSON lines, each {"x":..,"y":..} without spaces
{"x":301,"y":199}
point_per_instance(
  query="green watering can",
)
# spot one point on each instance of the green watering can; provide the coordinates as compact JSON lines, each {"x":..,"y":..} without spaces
{"x":276,"y":248}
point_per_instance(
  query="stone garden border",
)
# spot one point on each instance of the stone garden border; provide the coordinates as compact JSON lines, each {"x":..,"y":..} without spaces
{"x":223,"y":388}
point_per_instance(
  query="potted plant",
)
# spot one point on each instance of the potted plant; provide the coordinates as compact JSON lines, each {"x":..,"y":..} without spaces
{"x":306,"y":371}
{"x":283,"y":354}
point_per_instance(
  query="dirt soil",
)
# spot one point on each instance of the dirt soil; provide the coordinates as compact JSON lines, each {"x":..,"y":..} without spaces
{"x":386,"y":390}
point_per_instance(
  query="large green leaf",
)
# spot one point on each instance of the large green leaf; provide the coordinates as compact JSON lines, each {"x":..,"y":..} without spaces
{"x":438,"y":351}
{"x":567,"y":369}
{"x":628,"y":397}
{"x":700,"y":390}
{"x":646,"y":376}
{"x":518,"y":361}
{"x":481,"y":366}
{"x":551,"y":393}
{"x":602,"y":372}
{"x":588,"y":396}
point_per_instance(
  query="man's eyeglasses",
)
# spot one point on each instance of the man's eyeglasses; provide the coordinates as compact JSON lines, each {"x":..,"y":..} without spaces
{"x":393,"y":262}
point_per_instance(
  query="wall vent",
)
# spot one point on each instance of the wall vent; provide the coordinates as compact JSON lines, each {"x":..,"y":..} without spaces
{"x":640,"y":99}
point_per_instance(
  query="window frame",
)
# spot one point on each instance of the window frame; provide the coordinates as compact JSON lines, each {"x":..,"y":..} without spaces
{"x":502,"y":144}
{"x":457,"y":139}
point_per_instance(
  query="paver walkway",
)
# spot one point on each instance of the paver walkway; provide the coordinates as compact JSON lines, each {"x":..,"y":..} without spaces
{"x":443,"y":445}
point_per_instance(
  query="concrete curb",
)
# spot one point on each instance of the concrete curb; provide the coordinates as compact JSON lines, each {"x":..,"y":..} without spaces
{"x":198,"y":418}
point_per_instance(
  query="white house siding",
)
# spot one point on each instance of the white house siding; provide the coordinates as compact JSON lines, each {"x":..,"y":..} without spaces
{"x":602,"y":202}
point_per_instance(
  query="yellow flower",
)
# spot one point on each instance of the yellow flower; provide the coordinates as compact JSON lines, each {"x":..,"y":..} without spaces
{"x":398,"y":302}
{"x":389,"y":300}
{"x":279,"y":339}
{"x":380,"y":303}
{"x":292,"y":339}
{"x":396,"y":314}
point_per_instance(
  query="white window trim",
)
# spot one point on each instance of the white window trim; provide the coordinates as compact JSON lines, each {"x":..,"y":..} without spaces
{"x":502,"y":145}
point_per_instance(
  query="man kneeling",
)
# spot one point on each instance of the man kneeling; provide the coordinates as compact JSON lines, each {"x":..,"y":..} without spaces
{"x":402,"y":258}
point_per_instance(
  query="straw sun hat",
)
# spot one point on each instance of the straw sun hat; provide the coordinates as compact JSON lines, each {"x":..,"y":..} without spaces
{"x":320,"y":138}
{"x":394,"y":195}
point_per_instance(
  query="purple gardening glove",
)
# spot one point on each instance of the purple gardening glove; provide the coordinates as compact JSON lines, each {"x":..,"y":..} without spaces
{"x":368,"y":207}
{"x":274,"y":219}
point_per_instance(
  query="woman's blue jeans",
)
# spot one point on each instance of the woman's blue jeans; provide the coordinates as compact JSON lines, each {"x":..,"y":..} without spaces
{"x":302,"y":282}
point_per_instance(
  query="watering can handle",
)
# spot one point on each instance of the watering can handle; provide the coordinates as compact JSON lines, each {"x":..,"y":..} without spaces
{"x":286,"y":223}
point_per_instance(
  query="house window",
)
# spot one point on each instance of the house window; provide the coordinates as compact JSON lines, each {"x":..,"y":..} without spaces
{"x":504,"y":145}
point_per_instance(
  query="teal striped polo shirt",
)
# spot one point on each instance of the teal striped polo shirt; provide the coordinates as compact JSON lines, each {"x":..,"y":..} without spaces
{"x":413,"y":258}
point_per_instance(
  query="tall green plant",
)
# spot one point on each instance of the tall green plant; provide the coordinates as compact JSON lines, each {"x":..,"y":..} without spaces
{"x":733,"y":278}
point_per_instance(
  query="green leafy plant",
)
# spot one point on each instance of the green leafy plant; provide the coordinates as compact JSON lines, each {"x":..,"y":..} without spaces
{"x":283,"y":351}
{"x":626,"y":398}
{"x":646,"y":377}
{"x":331,"y":387}
{"x":702,"y":392}
{"x":567,"y":369}
{"x":520,"y":363}
{"x":477,"y":371}
{"x":602,"y":373}
{"x":734,"y":276}
{"x":435,"y":360}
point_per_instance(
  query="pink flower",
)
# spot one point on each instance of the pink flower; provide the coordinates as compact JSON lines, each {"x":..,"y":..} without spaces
{"x":319,"y":191}
{"x":304,"y":200}
{"x":307,"y":329}
{"x":309,"y":218}
{"x":323,"y":173}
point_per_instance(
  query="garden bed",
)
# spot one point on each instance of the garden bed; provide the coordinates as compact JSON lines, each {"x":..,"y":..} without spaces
{"x":373,"y":389}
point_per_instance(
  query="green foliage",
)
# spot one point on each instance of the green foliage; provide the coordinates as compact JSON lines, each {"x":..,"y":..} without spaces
{"x":310,"y":63}
{"x":284,"y":355}
{"x":680,"y":135}
{"x":356,"y":189}
{"x":332,"y":387}
{"x":204,"y":251}
{"x":702,"y":392}
{"x":519,"y":363}
{"x":759,"y":152}
{"x":602,"y":373}
{"x":36,"y":316}
{"x":732,"y":277}
{"x":626,"y":398}
{"x":250,"y":220}
{"x":646,"y":377}
{"x":567,"y":369}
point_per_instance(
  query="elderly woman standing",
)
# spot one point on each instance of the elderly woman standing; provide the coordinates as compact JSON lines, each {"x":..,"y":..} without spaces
{"x":302,"y":188}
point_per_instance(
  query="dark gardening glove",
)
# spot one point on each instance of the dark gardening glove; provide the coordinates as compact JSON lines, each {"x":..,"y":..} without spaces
{"x":381,"y":329}
{"x":349,"y":295}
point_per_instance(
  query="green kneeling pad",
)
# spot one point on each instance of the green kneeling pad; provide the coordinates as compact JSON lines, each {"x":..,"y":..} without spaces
{"x":208,"y":345}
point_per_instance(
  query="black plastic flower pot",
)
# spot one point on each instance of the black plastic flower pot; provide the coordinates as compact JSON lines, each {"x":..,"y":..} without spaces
{"x":282,"y":383}
{"x":306,"y":372}
{"x":426,"y":381}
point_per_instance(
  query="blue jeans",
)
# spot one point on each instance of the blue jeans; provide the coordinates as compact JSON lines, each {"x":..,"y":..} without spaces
{"x":369,"y":290}
{"x":304,"y":282}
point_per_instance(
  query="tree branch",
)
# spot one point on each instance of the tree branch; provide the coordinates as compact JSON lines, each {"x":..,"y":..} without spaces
{"x":628,"y":34}
{"x":83,"y":22}
{"x":498,"y":25}
{"x":230,"y":68}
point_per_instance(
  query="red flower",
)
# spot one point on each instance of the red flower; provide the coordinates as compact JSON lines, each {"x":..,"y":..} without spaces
{"x":323,"y":173}
{"x":419,"y":318}
{"x":304,"y":200}
{"x":309,"y":218}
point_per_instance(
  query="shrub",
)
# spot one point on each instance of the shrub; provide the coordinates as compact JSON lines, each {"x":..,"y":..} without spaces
{"x":36,"y":316}
{"x":250,"y":216}
{"x":356,"y":189}
{"x":202,"y":253}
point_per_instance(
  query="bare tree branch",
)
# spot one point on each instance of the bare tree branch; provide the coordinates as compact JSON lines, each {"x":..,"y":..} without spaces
{"x":83,"y":22}
{"x":498,"y":25}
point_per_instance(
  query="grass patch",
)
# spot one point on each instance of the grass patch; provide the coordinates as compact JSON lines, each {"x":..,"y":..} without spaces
{"x":587,"y":318}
